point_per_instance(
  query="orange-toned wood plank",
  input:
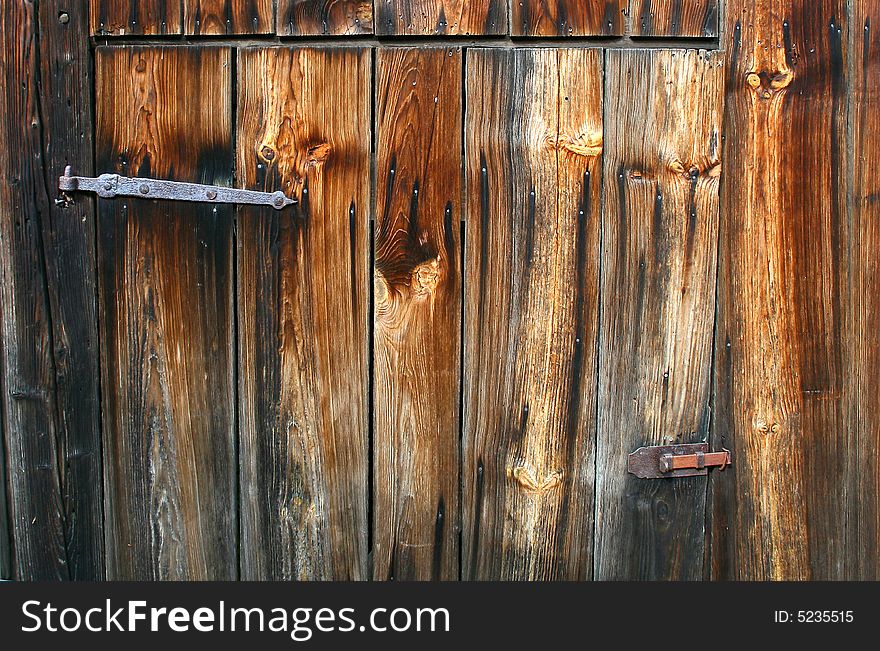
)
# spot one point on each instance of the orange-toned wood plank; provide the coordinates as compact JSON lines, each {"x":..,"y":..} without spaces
{"x":167,"y":316}
{"x":143,"y":18}
{"x":566,"y":17}
{"x":304,"y":127}
{"x":417,"y":316}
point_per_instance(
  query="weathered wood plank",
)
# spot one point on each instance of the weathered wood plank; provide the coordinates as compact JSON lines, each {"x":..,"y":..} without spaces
{"x":429,"y":17}
{"x":167,"y":316}
{"x":144,"y":18}
{"x":304,"y":127}
{"x":6,"y":570}
{"x":417,"y":336}
{"x":566,"y":17}
{"x":659,"y":246}
{"x":325,"y":17}
{"x":228,"y":16}
{"x":865,"y":297}
{"x":49,"y":341}
{"x":697,"y":18}
{"x":780,"y":373}
{"x":534,"y":141}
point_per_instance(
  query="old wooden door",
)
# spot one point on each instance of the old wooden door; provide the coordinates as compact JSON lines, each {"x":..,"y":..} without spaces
{"x":544,"y":235}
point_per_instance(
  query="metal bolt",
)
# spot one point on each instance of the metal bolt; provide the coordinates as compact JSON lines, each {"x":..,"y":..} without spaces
{"x":108,"y":186}
{"x":64,"y":18}
{"x":279,"y":201}
{"x":212,"y":194}
{"x":267,"y":152}
{"x":145,"y":189}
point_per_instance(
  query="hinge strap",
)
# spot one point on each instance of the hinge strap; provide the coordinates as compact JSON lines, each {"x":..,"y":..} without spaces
{"x":109,"y":186}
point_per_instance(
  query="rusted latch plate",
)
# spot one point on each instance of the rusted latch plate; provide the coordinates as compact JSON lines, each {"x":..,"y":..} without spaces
{"x":683,"y":460}
{"x":109,"y":186}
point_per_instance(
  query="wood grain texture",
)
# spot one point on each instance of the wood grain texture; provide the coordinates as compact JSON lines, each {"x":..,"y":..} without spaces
{"x":863,"y":552}
{"x":695,"y":18}
{"x":47,"y":311}
{"x":534,"y":142}
{"x":228,"y":16}
{"x":662,"y":170}
{"x":781,"y":513}
{"x":142,"y":18}
{"x":417,"y":335}
{"x":566,"y":17}
{"x":167,"y":316}
{"x":304,"y":128}
{"x":325,"y":17}
{"x":432,"y":17}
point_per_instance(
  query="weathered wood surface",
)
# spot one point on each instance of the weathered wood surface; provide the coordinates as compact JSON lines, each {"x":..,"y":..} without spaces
{"x":167,"y":316}
{"x":304,"y":128}
{"x":142,"y":18}
{"x":325,"y":17}
{"x":695,"y":18}
{"x":661,"y":181}
{"x":781,"y":513}
{"x":47,"y":299}
{"x":417,"y":336}
{"x":534,"y":142}
{"x":439,"y":17}
{"x":228,"y":16}
{"x":566,"y":17}
{"x":864,"y":315}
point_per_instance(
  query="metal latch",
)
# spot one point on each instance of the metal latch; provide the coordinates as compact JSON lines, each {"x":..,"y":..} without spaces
{"x":684,"y":460}
{"x":114,"y":185}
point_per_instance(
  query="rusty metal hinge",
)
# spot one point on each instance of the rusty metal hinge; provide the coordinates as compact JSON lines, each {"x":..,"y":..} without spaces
{"x":683,"y":460}
{"x":109,"y":186}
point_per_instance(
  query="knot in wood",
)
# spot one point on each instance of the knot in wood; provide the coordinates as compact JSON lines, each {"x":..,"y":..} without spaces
{"x":426,"y":277}
{"x":319,"y":153}
{"x":525,"y":477}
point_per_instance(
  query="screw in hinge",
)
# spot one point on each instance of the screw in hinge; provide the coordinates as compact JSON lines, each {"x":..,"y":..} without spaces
{"x":145,"y":189}
{"x":211,"y":194}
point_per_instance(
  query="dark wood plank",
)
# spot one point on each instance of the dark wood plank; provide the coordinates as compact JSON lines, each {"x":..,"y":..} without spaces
{"x":142,"y":18}
{"x":431,"y":17}
{"x":534,"y":142}
{"x":781,"y":371}
{"x":228,"y":16}
{"x":864,"y":306}
{"x":566,"y":17}
{"x":697,"y":18}
{"x":6,"y":569}
{"x":49,"y":342}
{"x":325,"y":17}
{"x":167,"y":316}
{"x":417,"y":336}
{"x":304,"y":127}
{"x":659,"y":246}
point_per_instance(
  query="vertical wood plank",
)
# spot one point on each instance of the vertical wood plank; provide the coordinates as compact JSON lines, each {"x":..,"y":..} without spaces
{"x":417,"y":276}
{"x":662,"y":170}
{"x":780,"y":376}
{"x":864,"y":307}
{"x":534,"y":143}
{"x":228,"y":16}
{"x":432,"y":17}
{"x":566,"y":17}
{"x":47,"y":298}
{"x":695,"y":18}
{"x":142,"y":18}
{"x":166,"y":316}
{"x":304,"y":127}
{"x":325,"y":17}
